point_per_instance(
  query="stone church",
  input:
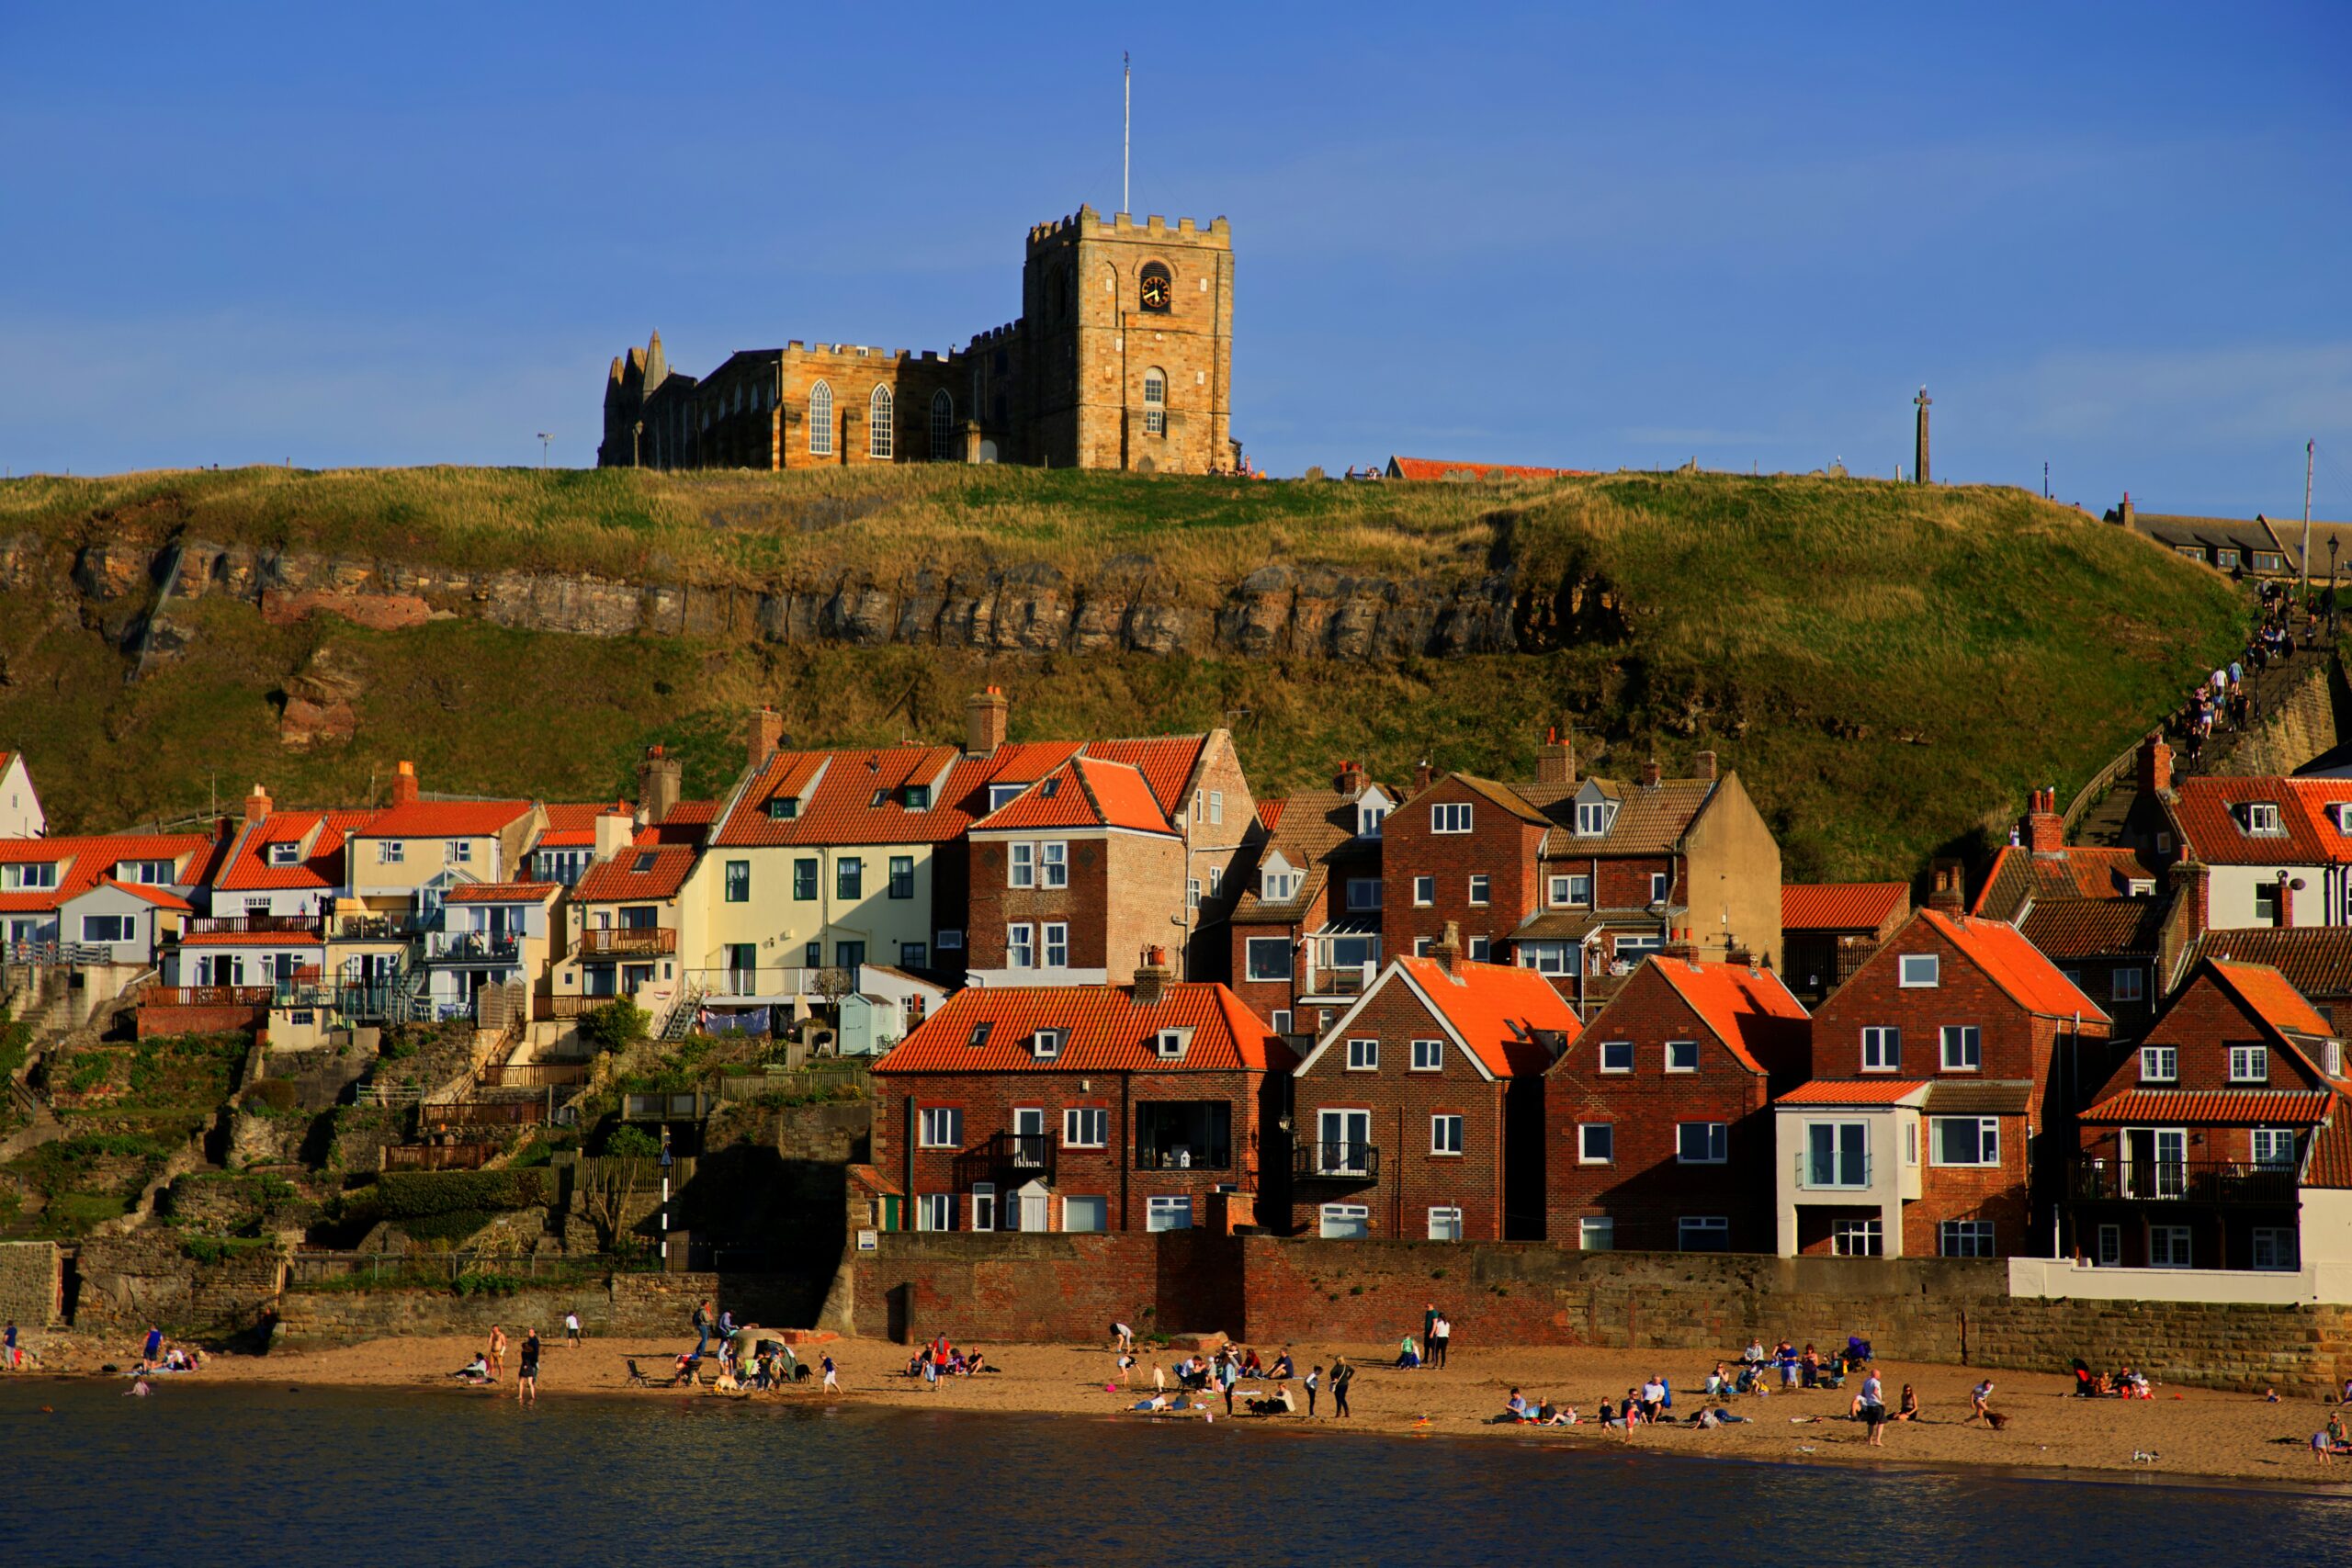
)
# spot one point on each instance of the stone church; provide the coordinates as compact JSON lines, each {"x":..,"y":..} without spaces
{"x":1121,"y":358}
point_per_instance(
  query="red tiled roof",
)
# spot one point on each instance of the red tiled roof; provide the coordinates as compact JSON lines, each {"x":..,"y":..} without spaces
{"x":573,"y":826}
{"x":2014,"y":965}
{"x":501,"y":892}
{"x":1082,"y":793}
{"x":2267,"y":996}
{"x":1856,"y":1091}
{"x":666,"y":867}
{"x":2329,"y":1162}
{"x":2212,"y":1107}
{"x":2204,"y":807}
{"x":1751,"y":1011}
{"x":162,"y":898}
{"x":1484,"y":1001}
{"x":254,"y":939}
{"x":2094,"y":928}
{"x":445,"y":820}
{"x":90,"y":858}
{"x":2316,"y":960}
{"x":1840,"y":905}
{"x":694,"y":813}
{"x":1166,"y":762}
{"x":1108,"y":1033}
{"x":248,"y":868}
{"x":1442,"y":468}
{"x":1270,"y":812}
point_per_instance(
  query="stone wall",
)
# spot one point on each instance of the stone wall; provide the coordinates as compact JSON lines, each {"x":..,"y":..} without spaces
{"x":32,"y":1283}
{"x":655,"y":1306}
{"x":124,"y":1284}
{"x":2297,"y":727}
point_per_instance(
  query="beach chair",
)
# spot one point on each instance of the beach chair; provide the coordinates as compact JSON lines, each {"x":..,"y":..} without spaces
{"x":636,"y":1378}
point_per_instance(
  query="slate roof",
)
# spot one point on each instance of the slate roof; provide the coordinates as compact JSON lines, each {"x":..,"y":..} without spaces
{"x":2095,"y":928}
{"x":1108,"y":1033}
{"x":2315,"y":960}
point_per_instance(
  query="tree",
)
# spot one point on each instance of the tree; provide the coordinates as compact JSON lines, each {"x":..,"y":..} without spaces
{"x":616,"y":1026}
{"x":608,"y":1186}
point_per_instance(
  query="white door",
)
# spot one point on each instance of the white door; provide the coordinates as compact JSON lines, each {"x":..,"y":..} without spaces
{"x":1034,"y":1208}
{"x":2172,"y":1163}
{"x":1345,"y":1138}
{"x":1029,"y":1138}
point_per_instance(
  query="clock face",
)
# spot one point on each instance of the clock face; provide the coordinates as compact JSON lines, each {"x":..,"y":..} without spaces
{"x":1159,"y":289}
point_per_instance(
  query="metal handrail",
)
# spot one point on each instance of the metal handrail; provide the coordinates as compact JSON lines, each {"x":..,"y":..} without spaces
{"x":1808,"y":1182}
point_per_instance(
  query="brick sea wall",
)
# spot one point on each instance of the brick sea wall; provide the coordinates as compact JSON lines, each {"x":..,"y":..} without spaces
{"x":658,"y":1306}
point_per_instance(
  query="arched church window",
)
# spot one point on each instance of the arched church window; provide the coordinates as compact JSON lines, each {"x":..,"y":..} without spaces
{"x":1155,"y":402}
{"x":942,"y":426}
{"x":820,"y":421}
{"x":878,"y":424}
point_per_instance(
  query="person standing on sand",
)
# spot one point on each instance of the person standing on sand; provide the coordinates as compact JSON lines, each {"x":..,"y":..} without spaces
{"x":1342,"y":1375}
{"x":155,"y":1350}
{"x":1874,"y":1408}
{"x":1976,"y":1398}
{"x":1159,"y":1378}
{"x":1441,"y":1335}
{"x":571,"y":1328}
{"x":11,"y":1358}
{"x":701,"y":1327}
{"x":527,"y":1375}
{"x":1314,"y":1386}
{"x":832,"y":1378}
{"x":497,"y":1351}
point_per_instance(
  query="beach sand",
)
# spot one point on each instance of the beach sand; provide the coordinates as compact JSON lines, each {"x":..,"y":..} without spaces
{"x":2191,"y":1432}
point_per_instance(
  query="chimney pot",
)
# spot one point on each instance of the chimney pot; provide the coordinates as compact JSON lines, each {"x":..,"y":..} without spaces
{"x":659,"y":781}
{"x":1446,"y":952}
{"x":1422,"y":775}
{"x":1947,"y":890}
{"x":1350,"y":779}
{"x":1555,"y":760}
{"x":1650,"y":773}
{"x":257,"y":805}
{"x":1703,"y":764}
{"x":404,"y":785}
{"x":1152,"y":979}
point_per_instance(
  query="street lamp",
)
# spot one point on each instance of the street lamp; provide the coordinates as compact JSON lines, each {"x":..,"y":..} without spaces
{"x":666,"y":1196}
{"x":544,"y":439}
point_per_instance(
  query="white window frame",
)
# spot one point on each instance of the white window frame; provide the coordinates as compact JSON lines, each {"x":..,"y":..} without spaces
{"x":1216,"y":807}
{"x":1482,"y":949}
{"x":118,"y":927}
{"x":2242,"y":1057}
{"x":1689,"y":1049}
{"x":1593,"y":818}
{"x":2272,"y":1148}
{"x":1660,"y":885}
{"x":1596,"y":1233}
{"x":1481,"y":889}
{"x":1718,"y":1141}
{"x":820,"y":420}
{"x":1424,"y":892}
{"x":940,"y":1127}
{"x":2107,"y":1247}
{"x":934,"y":1211}
{"x":1045,"y":1045}
{"x":285,"y":852}
{"x":1098,"y":1203}
{"x":1056,"y":944}
{"x":1355,"y":1220}
{"x":1155,"y":402}
{"x":1021,"y":865}
{"x":1445,"y":1133}
{"x":1053,"y":863}
{"x":1279,"y":1019}
{"x":1429,"y":1056}
{"x":2262,"y":818}
{"x":1857,"y":1237}
{"x":1449,"y":817}
{"x":1988,"y":1142}
{"x":458,"y":851}
{"x":2159,"y":1064}
{"x":1019,"y":945}
{"x":1169,"y":1212}
{"x":1086,"y":1127}
{"x":1882,"y":1048}
{"x":391,"y":852}
{"x":881,"y":423}
{"x":1607,"y":1140}
{"x":1613,"y":1048}
{"x":1965,"y":1238}
{"x":1364,"y":1055}
{"x":2170,"y":1246}
{"x":1919,"y":971}
{"x":1970,"y":1039}
{"x":1446,"y":1223}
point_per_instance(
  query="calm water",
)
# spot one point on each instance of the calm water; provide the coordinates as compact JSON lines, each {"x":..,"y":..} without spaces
{"x":213,"y":1475}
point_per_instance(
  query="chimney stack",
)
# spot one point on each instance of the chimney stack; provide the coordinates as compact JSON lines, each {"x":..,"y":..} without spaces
{"x":404,"y":785}
{"x":1152,"y":979}
{"x":659,"y":780}
{"x":1422,"y":775}
{"x":2287,"y":886}
{"x":1446,"y":951}
{"x":1949,"y":890}
{"x":985,"y":718}
{"x":767,"y":734}
{"x":1555,"y":760}
{"x":2045,"y":831}
{"x":1678,"y":944}
{"x":257,"y":805}
{"x":1350,"y":781}
{"x":1650,"y":773}
{"x":1702,"y":765}
{"x":2156,"y":766}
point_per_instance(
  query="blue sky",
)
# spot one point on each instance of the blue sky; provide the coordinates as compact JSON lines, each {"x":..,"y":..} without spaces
{"x":2115,"y":239}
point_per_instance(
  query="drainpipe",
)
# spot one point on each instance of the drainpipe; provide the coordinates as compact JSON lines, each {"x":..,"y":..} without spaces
{"x":1126,"y":1147}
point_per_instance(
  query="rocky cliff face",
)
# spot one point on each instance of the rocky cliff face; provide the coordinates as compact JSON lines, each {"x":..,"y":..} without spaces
{"x":1282,"y":610}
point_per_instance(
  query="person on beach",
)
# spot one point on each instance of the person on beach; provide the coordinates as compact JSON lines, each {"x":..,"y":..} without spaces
{"x":1159,"y":1378}
{"x":1281,"y":1369}
{"x":1125,"y":1336}
{"x":571,"y":1328}
{"x":1407,"y":1357}
{"x":1874,"y":1408}
{"x":1125,"y":1362}
{"x":527,"y":1375}
{"x":497,"y":1352}
{"x":1976,"y":1398}
{"x":1314,"y":1387}
{"x":1441,"y":1336}
{"x":930,"y":1375}
{"x":701,"y":1327}
{"x":1342,"y":1375}
{"x":155,"y":1344}
{"x":13,"y":1359}
{"x":1909,"y":1409}
{"x":832,"y":1377}
{"x":1786,"y":1356}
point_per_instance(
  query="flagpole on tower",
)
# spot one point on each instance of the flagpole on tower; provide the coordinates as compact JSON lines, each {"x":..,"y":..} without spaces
{"x":1127,"y":120}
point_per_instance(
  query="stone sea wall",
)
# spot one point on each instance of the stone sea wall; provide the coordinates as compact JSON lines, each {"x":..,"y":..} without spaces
{"x":32,"y":1278}
{"x":656,"y":1306}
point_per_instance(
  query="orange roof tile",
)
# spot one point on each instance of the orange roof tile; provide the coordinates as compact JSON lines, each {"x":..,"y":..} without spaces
{"x":1107,"y":1032}
{"x":254,"y":939}
{"x":1492,"y":1007}
{"x":501,"y":892}
{"x":2207,"y":809}
{"x":2014,"y":965}
{"x":643,"y":871}
{"x":1840,"y":905}
{"x":445,"y":820}
{"x":1270,"y":812}
{"x":87,"y":859}
{"x":2329,"y":1161}
{"x":248,"y":868}
{"x":2223,"y":1107}
{"x":1858,"y":1091}
{"x":573,"y":826}
{"x":1082,"y":793}
{"x":162,"y":898}
{"x":1751,"y":1011}
{"x":2268,"y":996}
{"x":1446,"y":469}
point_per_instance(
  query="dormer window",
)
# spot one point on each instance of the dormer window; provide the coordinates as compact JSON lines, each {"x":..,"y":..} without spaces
{"x":2226,"y":559}
{"x":1169,"y":1043}
{"x":31,"y":875}
{"x":2141,"y":887}
{"x":1047,"y":1043}
{"x":2331,"y":1054}
{"x":145,"y":872}
{"x":1368,"y":820}
{"x":784,"y":807}
{"x":286,"y":855}
{"x":916,"y":797}
{"x":1278,"y":886}
{"x":1593,"y":818}
{"x":2261,"y":817}
{"x":1001,"y":794}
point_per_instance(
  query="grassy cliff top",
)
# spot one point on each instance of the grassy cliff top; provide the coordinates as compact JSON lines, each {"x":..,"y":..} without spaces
{"x":1889,"y":667}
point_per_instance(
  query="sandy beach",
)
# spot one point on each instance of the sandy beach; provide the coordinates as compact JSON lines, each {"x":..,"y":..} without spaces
{"x":2190,"y":1433}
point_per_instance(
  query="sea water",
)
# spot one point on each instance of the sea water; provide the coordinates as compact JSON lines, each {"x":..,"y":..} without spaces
{"x":241,"y":1474}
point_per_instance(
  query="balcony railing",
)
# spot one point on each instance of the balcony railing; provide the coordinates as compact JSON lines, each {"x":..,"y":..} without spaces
{"x":1181,"y":1157}
{"x":382,"y":928}
{"x":1339,"y":1161}
{"x":208,"y":996}
{"x":574,"y":1006}
{"x":532,"y":1075}
{"x":718,"y":984}
{"x":1335,"y":982}
{"x":1841,"y":1173}
{"x":244,"y":925}
{"x":614,"y":941}
{"x":2185,"y":1182}
{"x":1008,"y":1159}
{"x":483,"y":1113}
{"x":473,"y":947}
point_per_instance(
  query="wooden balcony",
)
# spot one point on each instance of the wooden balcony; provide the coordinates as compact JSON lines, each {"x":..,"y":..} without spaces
{"x":563,"y":1006}
{"x":627,"y":942}
{"x":308,"y":926}
{"x":532,"y":1075}
{"x":208,"y":996}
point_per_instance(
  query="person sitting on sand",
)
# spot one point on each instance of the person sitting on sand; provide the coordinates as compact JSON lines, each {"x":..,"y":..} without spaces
{"x":2335,"y":1440}
{"x":1653,"y":1398}
{"x":1753,"y":1355}
{"x":1278,"y":1402}
{"x":1809,"y":1367}
{"x":475,"y":1373}
{"x":1281,"y":1367}
{"x":1407,"y":1357}
{"x":1555,"y":1415}
{"x":1909,"y":1409}
{"x":1515,"y":1408}
{"x":1250,"y":1366}
{"x":1719,"y":1381}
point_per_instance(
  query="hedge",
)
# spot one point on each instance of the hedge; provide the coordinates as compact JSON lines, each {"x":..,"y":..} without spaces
{"x":416,"y":1194}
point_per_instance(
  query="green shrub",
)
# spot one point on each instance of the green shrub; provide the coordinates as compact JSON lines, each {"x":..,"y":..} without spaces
{"x":453,"y":1227}
{"x":406,"y":1195}
{"x":616,"y":1026}
{"x":271,"y":1096}
{"x":88,"y":1072}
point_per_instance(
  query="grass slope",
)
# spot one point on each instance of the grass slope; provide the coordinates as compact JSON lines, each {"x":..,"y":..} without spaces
{"x":1888,"y":667}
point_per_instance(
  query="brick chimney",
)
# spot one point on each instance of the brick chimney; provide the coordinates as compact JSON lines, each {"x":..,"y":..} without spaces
{"x":659,"y":777}
{"x":1446,"y":951}
{"x":2287,"y":886}
{"x":257,"y":805}
{"x":767,"y":735}
{"x":1650,"y":773}
{"x":1702,"y":765}
{"x":1153,"y":979}
{"x":1350,"y":779}
{"x":985,"y":717}
{"x":2155,"y":766}
{"x":1555,"y":760}
{"x":1678,"y":944}
{"x":1947,"y":890}
{"x":404,"y":785}
{"x":1422,"y":775}
{"x":2045,"y":831}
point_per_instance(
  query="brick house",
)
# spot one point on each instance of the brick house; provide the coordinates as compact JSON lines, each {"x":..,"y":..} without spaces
{"x":1084,"y":1108}
{"x":2195,"y":1151}
{"x":1305,"y":922}
{"x":2264,"y":852}
{"x":1933,"y":1073}
{"x":1658,"y":1114}
{"x":2316,"y":961}
{"x":1579,"y":879}
{"x":1419,"y":1114}
{"x":2102,"y":914}
{"x":1828,"y":928}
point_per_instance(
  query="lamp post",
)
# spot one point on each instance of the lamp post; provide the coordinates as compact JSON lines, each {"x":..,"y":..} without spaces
{"x":665,"y":1197}
{"x":544,"y":439}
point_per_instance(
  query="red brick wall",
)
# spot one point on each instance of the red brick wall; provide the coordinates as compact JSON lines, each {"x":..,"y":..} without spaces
{"x":2010,"y":1044}
{"x":1501,"y":845}
{"x":990,"y":1290}
{"x":1265,"y":997}
{"x":2202,"y":1022}
{"x":1412,"y":1179}
{"x":1123,"y":889}
{"x":1647,"y":1190}
{"x":154,"y":1021}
